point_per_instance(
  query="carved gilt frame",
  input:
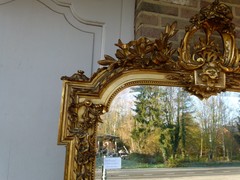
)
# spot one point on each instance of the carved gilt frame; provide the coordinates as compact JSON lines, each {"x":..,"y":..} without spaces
{"x":203,"y":69}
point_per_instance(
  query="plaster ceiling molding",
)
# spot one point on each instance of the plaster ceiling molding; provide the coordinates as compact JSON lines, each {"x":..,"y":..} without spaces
{"x":5,"y":1}
{"x":64,"y":7}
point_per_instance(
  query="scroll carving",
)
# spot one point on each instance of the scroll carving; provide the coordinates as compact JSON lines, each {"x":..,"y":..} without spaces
{"x":204,"y":67}
{"x":209,"y":63}
{"x":82,"y":120}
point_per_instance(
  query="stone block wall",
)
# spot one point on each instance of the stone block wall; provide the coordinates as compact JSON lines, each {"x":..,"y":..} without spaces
{"x":151,"y":16}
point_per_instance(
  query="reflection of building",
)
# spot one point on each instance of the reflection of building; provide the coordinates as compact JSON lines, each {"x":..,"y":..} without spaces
{"x":107,"y":145}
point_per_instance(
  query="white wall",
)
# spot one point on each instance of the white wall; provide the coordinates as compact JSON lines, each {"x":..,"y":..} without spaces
{"x":41,"y":40}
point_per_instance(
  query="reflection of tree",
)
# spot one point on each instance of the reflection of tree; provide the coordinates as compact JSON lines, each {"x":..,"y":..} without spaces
{"x":162,"y":110}
{"x":170,"y":122}
{"x":147,"y":113}
{"x":118,"y":121}
{"x":214,"y":115}
{"x":236,"y":133}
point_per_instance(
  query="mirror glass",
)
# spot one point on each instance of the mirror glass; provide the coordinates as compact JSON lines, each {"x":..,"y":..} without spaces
{"x":156,"y":126}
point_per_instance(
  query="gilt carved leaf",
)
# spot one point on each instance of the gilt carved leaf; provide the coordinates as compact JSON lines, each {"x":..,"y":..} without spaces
{"x":143,"y":53}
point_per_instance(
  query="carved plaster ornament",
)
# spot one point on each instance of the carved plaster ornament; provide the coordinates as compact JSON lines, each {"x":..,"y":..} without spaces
{"x":204,"y":67}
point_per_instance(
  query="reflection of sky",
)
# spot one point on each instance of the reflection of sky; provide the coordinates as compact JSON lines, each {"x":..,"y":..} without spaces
{"x":230,"y":99}
{"x":124,"y":101}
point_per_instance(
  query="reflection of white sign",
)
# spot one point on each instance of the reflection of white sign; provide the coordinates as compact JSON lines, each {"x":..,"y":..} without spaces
{"x":112,"y":163}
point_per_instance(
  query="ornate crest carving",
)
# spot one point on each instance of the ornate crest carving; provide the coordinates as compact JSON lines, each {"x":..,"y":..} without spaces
{"x":206,"y":59}
{"x":204,"y":66}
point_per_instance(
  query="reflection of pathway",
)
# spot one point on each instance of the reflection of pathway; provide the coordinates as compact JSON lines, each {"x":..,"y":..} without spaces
{"x":226,"y":173}
{"x":225,"y":177}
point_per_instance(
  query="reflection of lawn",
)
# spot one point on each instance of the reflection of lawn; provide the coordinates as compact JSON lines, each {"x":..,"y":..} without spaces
{"x":132,"y":163}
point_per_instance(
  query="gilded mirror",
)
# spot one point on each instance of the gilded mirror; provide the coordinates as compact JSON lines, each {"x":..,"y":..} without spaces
{"x":157,"y":126}
{"x":204,"y":67}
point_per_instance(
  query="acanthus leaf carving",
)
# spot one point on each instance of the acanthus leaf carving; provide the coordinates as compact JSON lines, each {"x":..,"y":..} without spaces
{"x":143,"y":53}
